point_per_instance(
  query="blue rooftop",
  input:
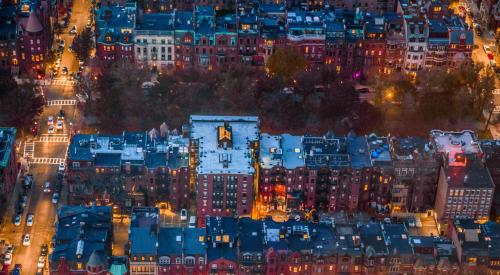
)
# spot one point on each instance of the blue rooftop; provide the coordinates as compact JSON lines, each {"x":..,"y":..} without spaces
{"x":7,"y":144}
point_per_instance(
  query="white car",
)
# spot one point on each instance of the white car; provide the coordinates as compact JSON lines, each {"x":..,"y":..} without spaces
{"x":7,"y":260}
{"x":29,"y":220}
{"x":50,"y":120}
{"x":41,"y":262}
{"x":73,"y":30}
{"x":10,"y":249}
{"x":61,"y":167}
{"x":55,"y":198}
{"x":51,"y":129}
{"x":46,"y":187}
{"x":486,"y":49}
{"x":60,"y":125}
{"x":27,"y":240}
{"x":17,"y":220}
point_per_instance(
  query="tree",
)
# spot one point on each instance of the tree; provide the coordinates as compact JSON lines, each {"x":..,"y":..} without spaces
{"x":20,"y":104}
{"x":285,"y":63}
{"x":82,"y":45}
{"x":483,"y":90}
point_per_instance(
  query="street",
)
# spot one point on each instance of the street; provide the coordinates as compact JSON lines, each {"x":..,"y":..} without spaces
{"x":44,"y":153}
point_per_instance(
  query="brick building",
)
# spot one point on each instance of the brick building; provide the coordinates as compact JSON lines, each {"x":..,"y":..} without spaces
{"x":223,"y":150}
{"x":114,"y":33}
{"x":129,"y":169}
{"x":82,"y":242}
{"x":8,"y":37}
{"x":491,"y":150}
{"x":465,"y":187}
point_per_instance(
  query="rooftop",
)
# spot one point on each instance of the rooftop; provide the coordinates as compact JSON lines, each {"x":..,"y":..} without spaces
{"x":145,"y":217}
{"x":379,"y":150}
{"x":225,"y":143}
{"x":453,"y":145}
{"x":473,"y":174}
{"x":326,"y":151}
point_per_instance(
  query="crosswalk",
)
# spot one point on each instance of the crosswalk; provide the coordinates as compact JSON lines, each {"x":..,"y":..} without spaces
{"x":46,"y":160}
{"x":61,"y":102}
{"x":29,"y":148}
{"x":53,"y":139}
{"x":62,"y":82}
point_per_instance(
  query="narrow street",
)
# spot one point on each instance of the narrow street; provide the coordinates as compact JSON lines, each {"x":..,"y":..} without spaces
{"x":45,"y":152}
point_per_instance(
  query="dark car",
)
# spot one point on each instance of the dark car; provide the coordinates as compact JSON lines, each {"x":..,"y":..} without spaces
{"x":17,"y":269}
{"x":44,"y":250}
{"x":478,"y":31}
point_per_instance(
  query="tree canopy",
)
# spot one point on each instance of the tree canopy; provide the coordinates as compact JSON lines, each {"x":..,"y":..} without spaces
{"x":286,"y":62}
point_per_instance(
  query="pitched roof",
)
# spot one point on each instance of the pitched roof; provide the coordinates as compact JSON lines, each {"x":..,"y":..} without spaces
{"x":33,"y":24}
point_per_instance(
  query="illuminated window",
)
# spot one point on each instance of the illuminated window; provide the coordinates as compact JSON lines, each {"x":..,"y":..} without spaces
{"x":226,"y":238}
{"x":245,"y":27}
{"x":201,"y":238}
{"x":218,"y":238}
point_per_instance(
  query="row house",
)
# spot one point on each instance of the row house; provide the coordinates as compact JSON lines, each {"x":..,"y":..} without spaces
{"x":375,"y":43}
{"x":395,"y":44}
{"x":273,"y":37}
{"x":129,"y":169}
{"x":184,"y":39}
{"x":245,"y":246}
{"x":154,"y":41}
{"x":478,"y":245}
{"x":415,"y":169}
{"x":114,"y":31}
{"x":332,"y":186}
{"x":306,"y":33}
{"x":283,"y":175}
{"x":222,"y":151}
{"x":181,"y":251}
{"x":249,"y":39}
{"x":143,"y":240}
{"x":226,"y":41}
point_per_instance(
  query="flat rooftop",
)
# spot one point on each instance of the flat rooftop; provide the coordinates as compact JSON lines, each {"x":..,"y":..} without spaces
{"x":224,"y":143}
{"x":455,"y":145}
{"x":281,"y":150}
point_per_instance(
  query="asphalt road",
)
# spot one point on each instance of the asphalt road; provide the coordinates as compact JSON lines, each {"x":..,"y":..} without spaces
{"x":45,"y":146}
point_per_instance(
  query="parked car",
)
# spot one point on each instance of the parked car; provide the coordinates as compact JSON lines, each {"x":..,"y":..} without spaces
{"x":486,"y":49}
{"x":27,"y":240}
{"x":17,"y":220}
{"x":44,"y":250}
{"x":46,"y":187}
{"x":73,"y":30}
{"x":41,"y":262}
{"x":17,"y":269}
{"x":55,"y":198}
{"x":50,"y":120}
{"x":9,"y":249}
{"x":29,"y":220}
{"x":7,"y":259}
{"x":61,"y":167}
{"x":411,"y":222}
{"x":64,"y":70}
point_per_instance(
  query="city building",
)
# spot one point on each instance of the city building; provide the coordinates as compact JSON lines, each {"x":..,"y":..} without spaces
{"x":416,"y":169}
{"x":223,"y":156}
{"x":9,"y":168}
{"x":34,"y":37}
{"x":129,"y":169}
{"x":306,"y":33}
{"x":283,"y":177}
{"x":182,"y":251}
{"x":82,"y":242}
{"x":478,"y":245}
{"x":154,"y":41}
{"x":491,"y":150}
{"x":465,"y":187}
{"x":114,"y":33}
{"x":143,"y":240}
{"x":222,"y":245}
